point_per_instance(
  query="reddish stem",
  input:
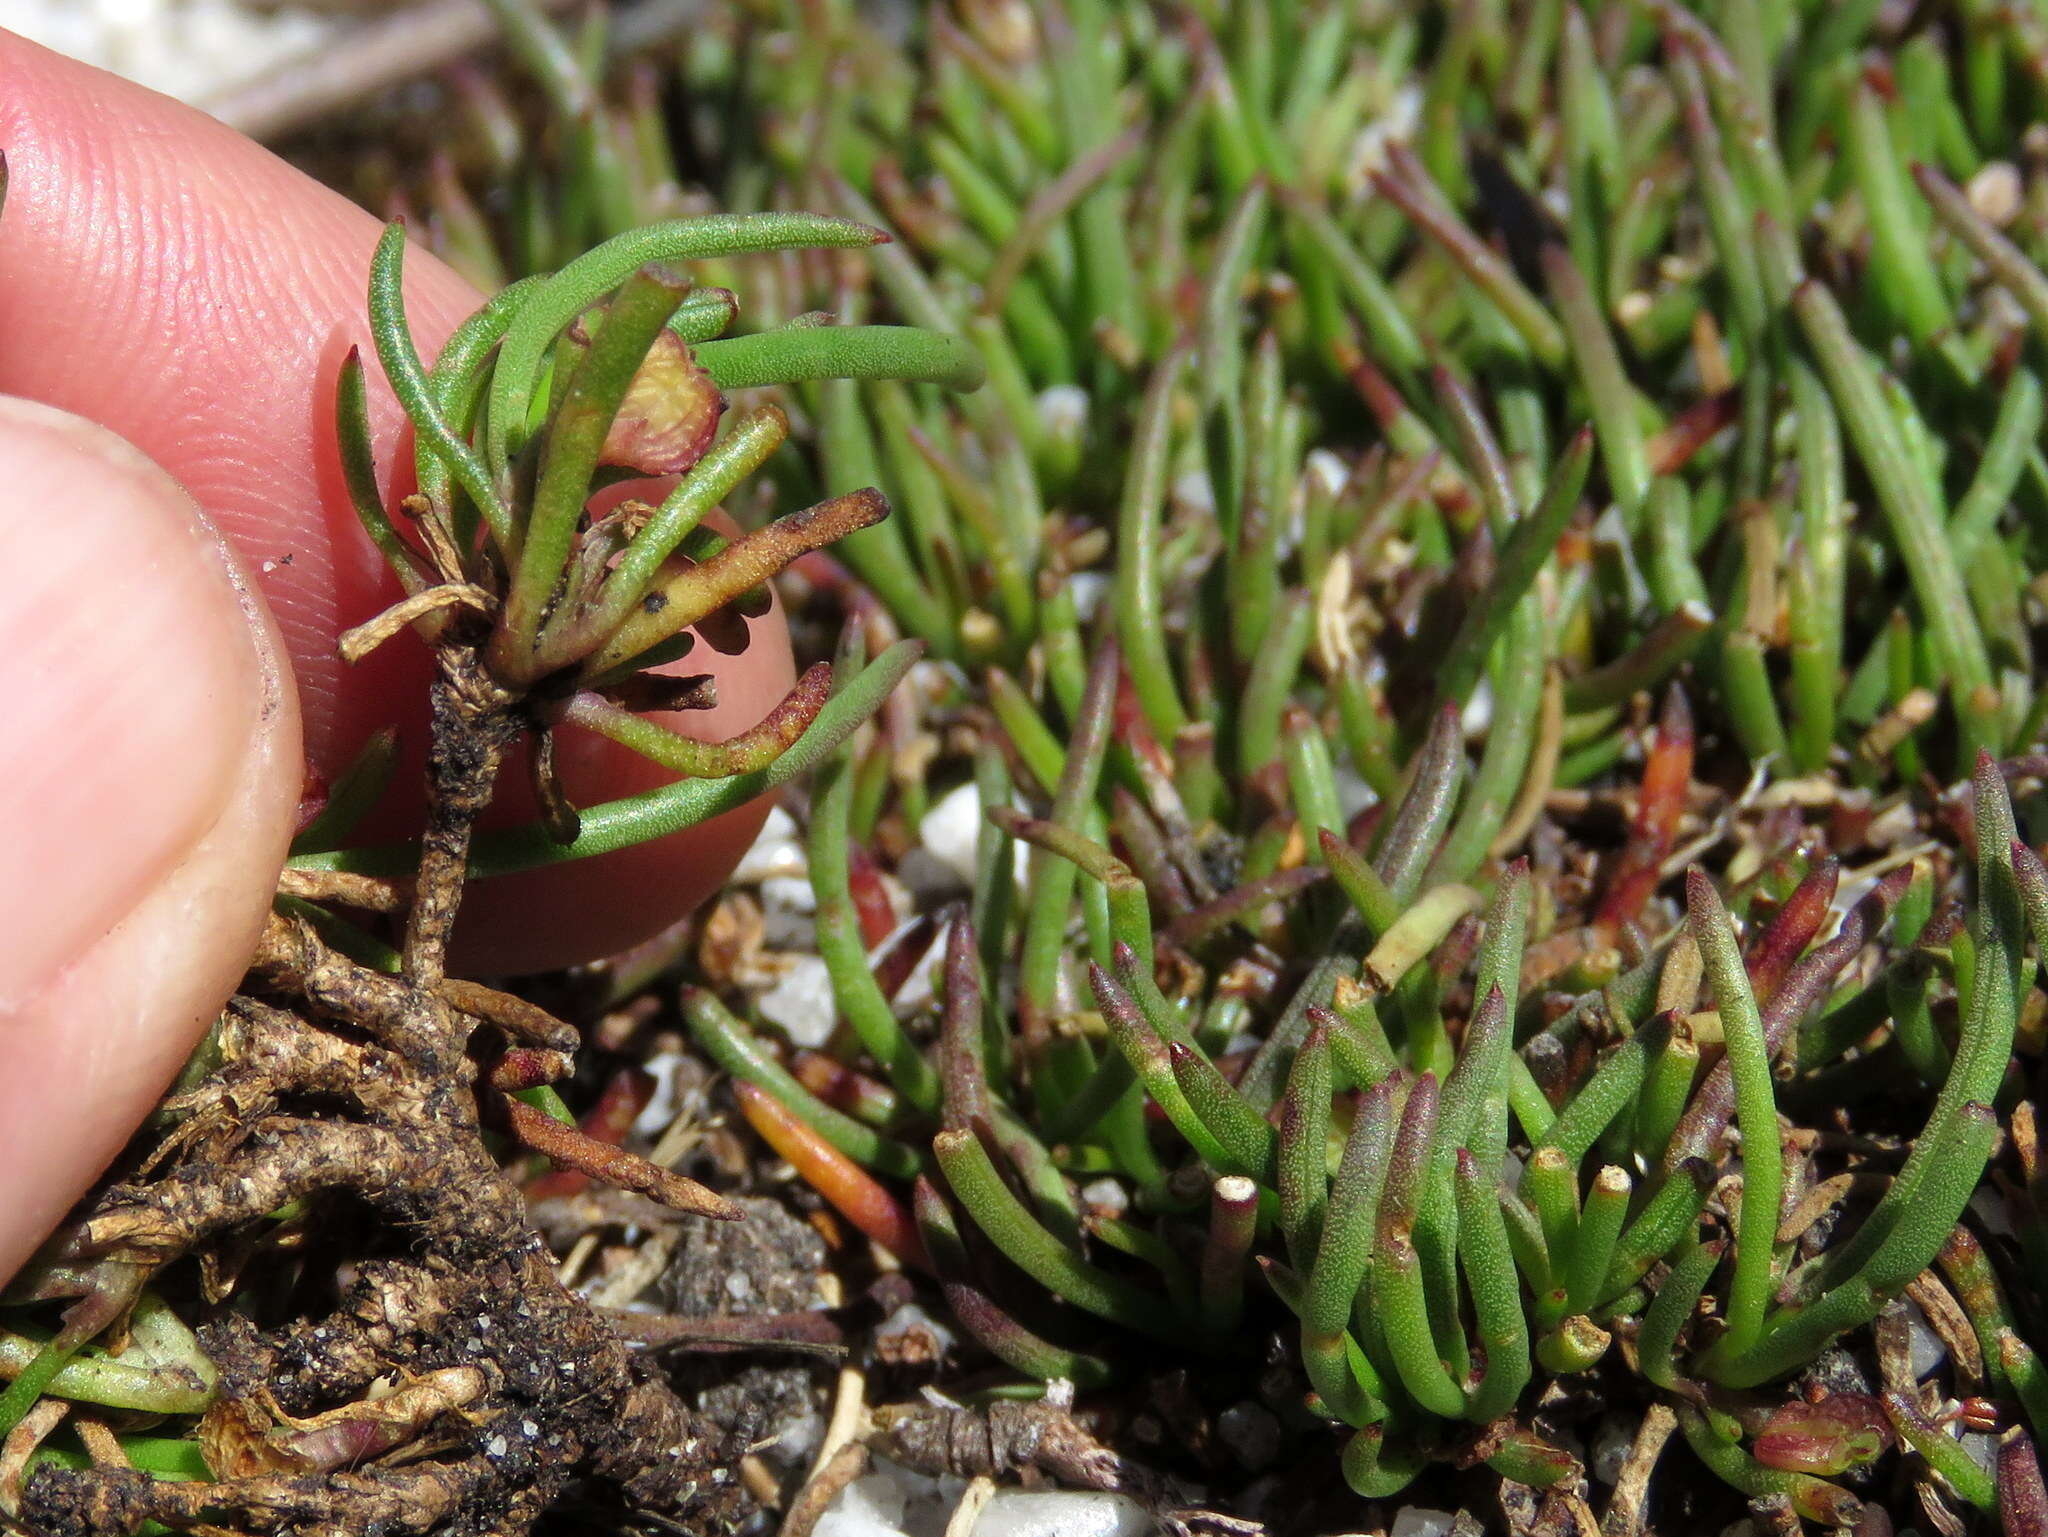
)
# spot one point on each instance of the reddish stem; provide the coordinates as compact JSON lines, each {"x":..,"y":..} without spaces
{"x":607,"y":1122}
{"x":614,"y":1166}
{"x":850,"y":1189}
{"x":1788,"y":934}
{"x":870,"y":897}
{"x":844,"y":1088}
{"x":1667,"y":771}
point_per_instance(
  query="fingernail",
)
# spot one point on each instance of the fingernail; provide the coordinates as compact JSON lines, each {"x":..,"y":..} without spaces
{"x":129,"y":681}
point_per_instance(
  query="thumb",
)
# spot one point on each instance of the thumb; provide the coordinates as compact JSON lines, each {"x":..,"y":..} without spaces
{"x":149,"y":767}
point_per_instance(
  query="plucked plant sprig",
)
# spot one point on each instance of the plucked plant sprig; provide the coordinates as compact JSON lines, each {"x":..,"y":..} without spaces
{"x":562,"y":384}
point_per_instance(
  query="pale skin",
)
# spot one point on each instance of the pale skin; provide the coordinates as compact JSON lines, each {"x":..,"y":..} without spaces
{"x":174,"y":302}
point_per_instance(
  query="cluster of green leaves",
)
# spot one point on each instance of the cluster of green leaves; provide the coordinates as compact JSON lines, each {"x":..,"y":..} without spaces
{"x":1600,"y":219}
{"x":159,"y":1368}
{"x":1360,"y":1161}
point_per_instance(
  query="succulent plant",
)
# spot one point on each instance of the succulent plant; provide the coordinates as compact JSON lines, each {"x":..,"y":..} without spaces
{"x":561,"y":617}
{"x":1305,"y":607}
{"x":1365,"y":381}
{"x":1360,"y":1160}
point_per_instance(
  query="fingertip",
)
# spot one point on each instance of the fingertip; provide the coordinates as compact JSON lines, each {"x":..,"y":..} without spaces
{"x":169,"y":278}
{"x":152,"y":766}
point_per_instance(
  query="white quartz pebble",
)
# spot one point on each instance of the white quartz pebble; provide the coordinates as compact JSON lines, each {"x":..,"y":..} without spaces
{"x":1030,"y":1513}
{"x":801,"y":1001}
{"x":867,"y":1507}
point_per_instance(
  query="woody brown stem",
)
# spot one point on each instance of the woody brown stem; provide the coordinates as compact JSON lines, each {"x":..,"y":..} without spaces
{"x":473,"y":726}
{"x":522,"y":1021}
{"x":109,"y":1500}
{"x":571,"y":1149}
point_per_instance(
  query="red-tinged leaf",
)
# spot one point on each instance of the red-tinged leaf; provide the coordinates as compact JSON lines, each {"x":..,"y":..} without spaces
{"x":1691,"y":430}
{"x":1363,"y":827}
{"x":1374,"y":387}
{"x":669,"y":415}
{"x":1792,"y":929}
{"x":2022,"y":1497}
{"x":850,"y":1189}
{"x":870,"y":897}
{"x":896,"y":965}
{"x":1667,"y":772}
{"x":528,"y":1067}
{"x":1131,"y":729}
{"x":844,"y":1088}
{"x":1842,"y":1431}
{"x":966,"y":1093}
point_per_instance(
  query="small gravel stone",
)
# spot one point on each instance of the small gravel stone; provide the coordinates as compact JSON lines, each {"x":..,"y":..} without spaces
{"x":931,"y":881}
{"x":919,"y":991}
{"x":801,"y":1002}
{"x":1105,"y":1197}
{"x":1397,"y":123}
{"x":1928,"y":1352}
{"x":892,"y":1501}
{"x":1089,"y":589}
{"x":1611,"y":1442}
{"x":668,"y":1099}
{"x":790,"y":894}
{"x":1479,"y":712}
{"x":1353,"y":793}
{"x":1996,"y":192}
{"x":1421,"y":1521}
{"x":1063,"y":409}
{"x":867,"y":1507}
{"x":1023,"y":1513}
{"x":951,"y":829}
{"x":912,"y":1337}
{"x":951,"y":826}
{"x":1329,"y":471}
{"x":777,"y":849}
{"x":1983,"y":1449}
{"x":1194,"y":492}
{"x":1251,"y":1432}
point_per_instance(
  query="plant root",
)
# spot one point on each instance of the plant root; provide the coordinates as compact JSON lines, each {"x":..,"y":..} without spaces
{"x":434,"y":1376}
